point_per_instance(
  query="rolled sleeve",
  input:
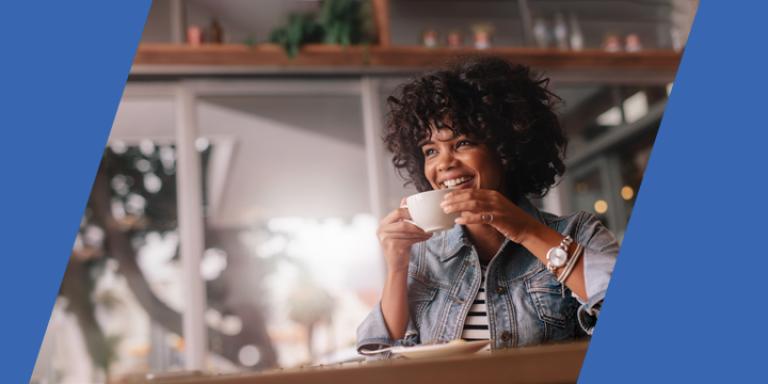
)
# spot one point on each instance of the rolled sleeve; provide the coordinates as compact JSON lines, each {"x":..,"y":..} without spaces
{"x":600,"y":251}
{"x":588,"y":311}
{"x":373,"y":336}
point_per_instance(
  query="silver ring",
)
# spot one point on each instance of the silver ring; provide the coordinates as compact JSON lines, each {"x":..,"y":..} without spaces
{"x":487,"y":218}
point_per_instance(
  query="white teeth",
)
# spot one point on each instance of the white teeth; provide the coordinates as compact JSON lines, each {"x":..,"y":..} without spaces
{"x":454,"y":182}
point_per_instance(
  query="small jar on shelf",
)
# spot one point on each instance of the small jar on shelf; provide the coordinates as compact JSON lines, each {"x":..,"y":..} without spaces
{"x":429,"y":38}
{"x":482,"y":34}
{"x":455,"y":39}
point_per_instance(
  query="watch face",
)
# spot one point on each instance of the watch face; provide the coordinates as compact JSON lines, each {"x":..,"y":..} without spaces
{"x":558,"y":257}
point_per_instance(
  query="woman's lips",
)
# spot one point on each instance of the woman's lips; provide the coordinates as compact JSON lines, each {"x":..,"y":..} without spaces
{"x":469,"y":184}
{"x":461,"y":182}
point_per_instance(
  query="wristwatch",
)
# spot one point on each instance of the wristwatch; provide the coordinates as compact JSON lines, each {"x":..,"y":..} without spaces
{"x":558,"y":256}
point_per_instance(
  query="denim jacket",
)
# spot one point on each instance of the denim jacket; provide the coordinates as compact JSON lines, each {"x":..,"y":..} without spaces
{"x":525,"y":303}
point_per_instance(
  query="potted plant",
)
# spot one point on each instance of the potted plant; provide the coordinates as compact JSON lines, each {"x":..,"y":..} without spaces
{"x":343,"y":22}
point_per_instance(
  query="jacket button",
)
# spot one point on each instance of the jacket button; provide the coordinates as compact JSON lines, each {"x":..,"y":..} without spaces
{"x":505,"y":336}
{"x":500,"y":290}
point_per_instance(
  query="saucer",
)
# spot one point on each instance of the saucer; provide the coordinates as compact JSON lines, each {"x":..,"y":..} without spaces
{"x":440,"y":350}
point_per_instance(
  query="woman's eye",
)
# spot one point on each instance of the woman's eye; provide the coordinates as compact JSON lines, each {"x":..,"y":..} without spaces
{"x":462,"y":143}
{"x":429,"y":152}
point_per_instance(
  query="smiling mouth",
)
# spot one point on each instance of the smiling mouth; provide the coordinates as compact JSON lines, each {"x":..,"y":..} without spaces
{"x":459,"y":182}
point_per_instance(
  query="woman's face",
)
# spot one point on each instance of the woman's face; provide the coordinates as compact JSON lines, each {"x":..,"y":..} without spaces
{"x":460,"y":162}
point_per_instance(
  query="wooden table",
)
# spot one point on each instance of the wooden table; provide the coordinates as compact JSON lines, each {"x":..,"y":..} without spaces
{"x":557,"y":363}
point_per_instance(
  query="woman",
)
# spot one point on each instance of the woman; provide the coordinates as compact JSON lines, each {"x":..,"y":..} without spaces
{"x":486,"y":129}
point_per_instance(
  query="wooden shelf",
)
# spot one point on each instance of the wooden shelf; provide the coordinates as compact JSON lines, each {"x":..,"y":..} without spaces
{"x":267,"y":58}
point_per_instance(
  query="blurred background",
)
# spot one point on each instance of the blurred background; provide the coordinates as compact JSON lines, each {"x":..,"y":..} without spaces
{"x":231,"y":225}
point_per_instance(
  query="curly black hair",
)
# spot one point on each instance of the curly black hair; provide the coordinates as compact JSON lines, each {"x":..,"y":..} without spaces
{"x":505,"y":106}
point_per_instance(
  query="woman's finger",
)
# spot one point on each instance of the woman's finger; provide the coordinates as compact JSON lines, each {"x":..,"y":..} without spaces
{"x":465,"y":194}
{"x":467,"y":218}
{"x":403,"y":226}
{"x":400,"y":235}
{"x":468,"y":205}
{"x":397,"y":215}
{"x":485,"y":217}
{"x":403,"y":236}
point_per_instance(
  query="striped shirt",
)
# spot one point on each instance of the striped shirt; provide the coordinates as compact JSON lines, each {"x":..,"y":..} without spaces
{"x":476,"y":323}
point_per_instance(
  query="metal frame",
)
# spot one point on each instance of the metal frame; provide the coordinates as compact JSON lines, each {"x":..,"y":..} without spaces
{"x":191,"y":228}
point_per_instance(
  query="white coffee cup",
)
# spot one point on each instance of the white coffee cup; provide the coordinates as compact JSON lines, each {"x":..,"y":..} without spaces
{"x":427,"y":213}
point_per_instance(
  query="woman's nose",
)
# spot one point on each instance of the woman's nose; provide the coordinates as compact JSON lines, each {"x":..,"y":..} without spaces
{"x":445,"y":161}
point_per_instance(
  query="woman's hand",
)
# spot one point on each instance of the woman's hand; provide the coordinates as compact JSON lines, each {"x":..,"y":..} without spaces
{"x":489,"y":207}
{"x":396,"y":235}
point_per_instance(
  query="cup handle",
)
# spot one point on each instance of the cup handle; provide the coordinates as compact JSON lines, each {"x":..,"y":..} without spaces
{"x":404,"y":204}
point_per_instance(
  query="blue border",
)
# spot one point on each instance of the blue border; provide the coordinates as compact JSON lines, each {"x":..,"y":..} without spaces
{"x":687,"y":299}
{"x":63,"y":69}
{"x":686,"y":302}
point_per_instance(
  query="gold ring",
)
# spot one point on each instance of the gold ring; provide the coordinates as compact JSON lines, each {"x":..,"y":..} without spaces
{"x":487,"y":218}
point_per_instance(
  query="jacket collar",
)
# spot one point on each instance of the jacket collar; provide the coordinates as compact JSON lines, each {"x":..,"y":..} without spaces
{"x":447,"y":244}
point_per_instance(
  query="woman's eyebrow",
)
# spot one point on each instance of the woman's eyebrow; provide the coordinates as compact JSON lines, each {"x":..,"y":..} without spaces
{"x":430,"y":141}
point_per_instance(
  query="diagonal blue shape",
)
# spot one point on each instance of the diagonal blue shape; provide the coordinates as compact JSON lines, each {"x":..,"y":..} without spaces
{"x":62,"y":72}
{"x":687,"y":299}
